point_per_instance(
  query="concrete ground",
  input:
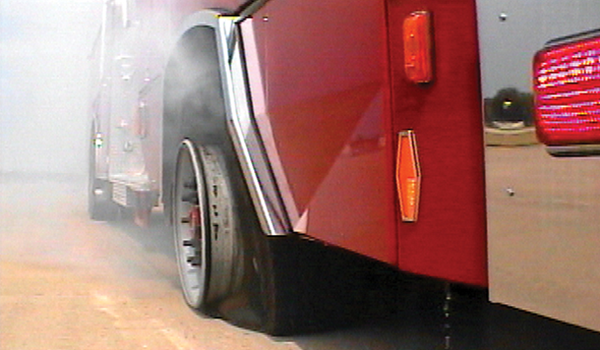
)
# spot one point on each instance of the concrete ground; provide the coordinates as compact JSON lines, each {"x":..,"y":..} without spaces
{"x":70,"y":283}
{"x":67,"y":282}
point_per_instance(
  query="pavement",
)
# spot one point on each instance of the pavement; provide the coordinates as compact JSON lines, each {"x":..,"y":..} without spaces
{"x":67,"y":282}
{"x":70,"y":283}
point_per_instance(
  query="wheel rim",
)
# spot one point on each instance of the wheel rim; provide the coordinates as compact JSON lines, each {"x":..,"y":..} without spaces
{"x":189,"y":214}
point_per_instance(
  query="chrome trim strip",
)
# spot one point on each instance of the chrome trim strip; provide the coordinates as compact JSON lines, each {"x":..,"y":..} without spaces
{"x":251,"y":8}
{"x":574,"y":150}
{"x":263,"y":124}
{"x":575,"y":37}
{"x":244,"y":131}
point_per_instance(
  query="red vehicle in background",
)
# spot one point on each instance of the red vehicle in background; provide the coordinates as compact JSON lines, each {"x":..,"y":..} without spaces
{"x":398,"y":130}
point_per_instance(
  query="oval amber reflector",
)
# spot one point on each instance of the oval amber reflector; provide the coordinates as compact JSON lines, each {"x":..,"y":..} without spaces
{"x":417,"y":47}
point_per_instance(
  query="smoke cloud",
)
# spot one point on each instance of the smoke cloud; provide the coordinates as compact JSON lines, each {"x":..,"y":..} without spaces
{"x":44,"y":45}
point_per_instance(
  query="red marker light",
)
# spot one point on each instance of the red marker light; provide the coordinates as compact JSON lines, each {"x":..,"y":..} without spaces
{"x":417,"y":47}
{"x":567,"y":93}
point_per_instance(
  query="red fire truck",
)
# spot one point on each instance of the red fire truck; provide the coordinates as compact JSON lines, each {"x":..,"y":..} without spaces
{"x":404,"y":131}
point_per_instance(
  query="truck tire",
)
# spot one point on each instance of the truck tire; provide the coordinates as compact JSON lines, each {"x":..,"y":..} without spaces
{"x":227,"y":266}
{"x":100,"y":205}
{"x":205,"y":228}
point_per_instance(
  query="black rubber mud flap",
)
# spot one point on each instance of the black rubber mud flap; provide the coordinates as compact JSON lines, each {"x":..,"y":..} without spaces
{"x":315,"y":287}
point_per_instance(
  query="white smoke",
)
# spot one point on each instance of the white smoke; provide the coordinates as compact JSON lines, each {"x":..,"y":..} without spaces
{"x":44,"y":46}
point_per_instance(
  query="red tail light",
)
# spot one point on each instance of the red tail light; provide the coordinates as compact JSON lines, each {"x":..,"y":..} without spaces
{"x":417,"y":47}
{"x":567,"y":87}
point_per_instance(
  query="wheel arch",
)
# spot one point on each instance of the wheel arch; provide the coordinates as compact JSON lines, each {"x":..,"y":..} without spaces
{"x":193,"y":99}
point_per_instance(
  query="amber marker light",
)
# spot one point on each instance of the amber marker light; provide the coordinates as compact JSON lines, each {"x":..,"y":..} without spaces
{"x":408,"y":176}
{"x":417,"y":32}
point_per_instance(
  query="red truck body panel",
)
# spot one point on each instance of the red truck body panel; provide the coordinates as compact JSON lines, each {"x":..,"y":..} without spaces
{"x":448,"y":240}
{"x":336,"y":104}
{"x":327,"y":101}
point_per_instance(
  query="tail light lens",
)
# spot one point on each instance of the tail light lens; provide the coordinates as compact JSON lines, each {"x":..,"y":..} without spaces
{"x":567,"y":88}
{"x":417,"y":47}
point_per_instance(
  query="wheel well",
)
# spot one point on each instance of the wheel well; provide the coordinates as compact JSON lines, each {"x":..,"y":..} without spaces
{"x":194,"y":106}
